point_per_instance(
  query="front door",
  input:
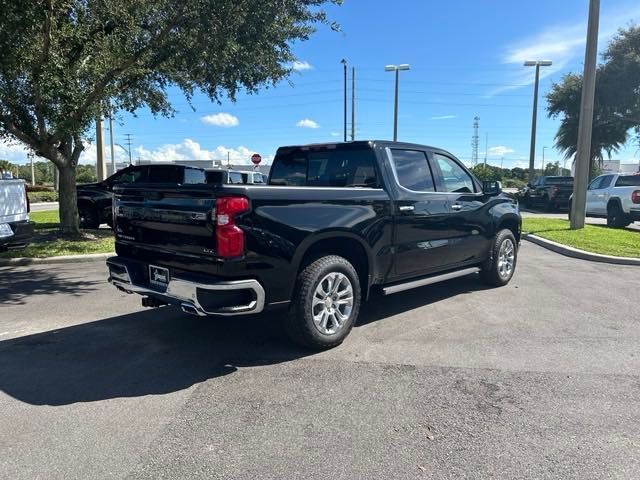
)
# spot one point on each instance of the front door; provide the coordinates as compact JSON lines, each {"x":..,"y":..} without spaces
{"x":468,"y":210}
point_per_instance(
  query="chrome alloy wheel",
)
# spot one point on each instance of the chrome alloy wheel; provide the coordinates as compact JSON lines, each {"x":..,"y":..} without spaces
{"x":506,"y":258}
{"x":332,"y":303}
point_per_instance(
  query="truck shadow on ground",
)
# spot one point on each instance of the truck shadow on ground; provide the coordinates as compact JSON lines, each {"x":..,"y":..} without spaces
{"x":20,"y":284}
{"x":164,"y":350}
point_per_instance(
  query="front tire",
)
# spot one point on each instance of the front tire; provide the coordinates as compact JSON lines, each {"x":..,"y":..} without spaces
{"x":326,"y":303}
{"x":499,"y":269}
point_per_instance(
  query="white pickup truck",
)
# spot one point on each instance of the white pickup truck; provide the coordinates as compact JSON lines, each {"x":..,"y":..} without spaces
{"x":16,"y":230}
{"x":615,"y":197}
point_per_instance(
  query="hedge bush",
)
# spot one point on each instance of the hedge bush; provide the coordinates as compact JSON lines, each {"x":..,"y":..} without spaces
{"x":43,"y":196}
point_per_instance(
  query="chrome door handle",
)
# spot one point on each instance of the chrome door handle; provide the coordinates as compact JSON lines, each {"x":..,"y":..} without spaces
{"x":456,"y":206}
{"x":406,"y":208}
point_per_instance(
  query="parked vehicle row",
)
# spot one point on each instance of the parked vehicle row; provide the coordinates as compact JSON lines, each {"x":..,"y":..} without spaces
{"x":616,"y":198}
{"x":550,"y":193}
{"x":16,"y":230}
{"x":336,"y":223}
{"x":95,"y":200}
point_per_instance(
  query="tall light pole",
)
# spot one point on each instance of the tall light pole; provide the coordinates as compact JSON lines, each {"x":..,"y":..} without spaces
{"x":396,"y":68}
{"x":344,"y":63}
{"x":585,"y":122}
{"x":534,"y":116}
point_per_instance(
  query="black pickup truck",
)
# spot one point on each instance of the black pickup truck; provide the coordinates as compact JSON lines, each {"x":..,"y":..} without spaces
{"x":335,"y":223}
{"x":550,"y":193}
{"x":95,"y":200}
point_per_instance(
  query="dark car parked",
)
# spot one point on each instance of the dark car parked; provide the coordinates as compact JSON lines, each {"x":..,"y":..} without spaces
{"x":335,"y":223}
{"x":95,"y":200}
{"x":550,"y":193}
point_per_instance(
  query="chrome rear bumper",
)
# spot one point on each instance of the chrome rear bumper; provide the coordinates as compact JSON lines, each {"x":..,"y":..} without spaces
{"x":186,"y":293}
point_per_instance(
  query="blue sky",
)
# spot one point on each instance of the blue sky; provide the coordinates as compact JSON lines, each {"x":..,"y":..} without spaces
{"x":466,"y":60}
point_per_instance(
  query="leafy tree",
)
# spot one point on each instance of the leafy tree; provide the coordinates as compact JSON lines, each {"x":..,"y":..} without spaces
{"x":62,"y":60}
{"x":617,"y":103}
{"x":551,"y":169}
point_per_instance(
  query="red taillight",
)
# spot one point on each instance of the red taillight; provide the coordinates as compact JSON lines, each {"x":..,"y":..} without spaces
{"x":635,"y":196}
{"x":229,"y":237}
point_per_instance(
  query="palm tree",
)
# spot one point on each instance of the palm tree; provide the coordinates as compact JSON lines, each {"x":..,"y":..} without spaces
{"x":609,"y":133}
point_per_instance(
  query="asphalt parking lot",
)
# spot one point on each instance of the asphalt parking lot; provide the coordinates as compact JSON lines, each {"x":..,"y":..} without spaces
{"x":539,"y":379}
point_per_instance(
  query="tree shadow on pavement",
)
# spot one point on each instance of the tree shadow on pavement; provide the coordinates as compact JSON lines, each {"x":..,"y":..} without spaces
{"x":163,"y":350}
{"x":18,"y":284}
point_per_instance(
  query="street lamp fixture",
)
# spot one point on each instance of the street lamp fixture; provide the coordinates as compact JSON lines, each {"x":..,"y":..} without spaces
{"x":396,"y":68}
{"x":532,"y":152}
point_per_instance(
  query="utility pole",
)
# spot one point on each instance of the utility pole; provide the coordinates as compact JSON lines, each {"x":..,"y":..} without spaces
{"x":128,"y":135}
{"x":344,"y":64}
{"x":396,"y":68}
{"x":534,"y":115}
{"x":100,"y":150}
{"x":585,"y":124}
{"x":33,"y":172}
{"x":353,"y":103}
{"x":113,"y":158}
{"x":475,"y":140}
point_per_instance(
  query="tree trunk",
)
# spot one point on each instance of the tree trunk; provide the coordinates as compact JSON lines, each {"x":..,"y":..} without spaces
{"x":68,"y":199}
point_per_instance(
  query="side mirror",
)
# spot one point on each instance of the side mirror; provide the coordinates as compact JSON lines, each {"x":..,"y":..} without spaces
{"x":492,"y":187}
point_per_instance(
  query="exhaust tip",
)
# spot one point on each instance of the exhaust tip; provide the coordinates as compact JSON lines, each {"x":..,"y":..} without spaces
{"x":190,"y":309}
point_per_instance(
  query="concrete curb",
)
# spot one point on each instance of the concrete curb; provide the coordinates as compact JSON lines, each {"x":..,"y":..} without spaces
{"x":92,"y":257}
{"x":581,"y":254}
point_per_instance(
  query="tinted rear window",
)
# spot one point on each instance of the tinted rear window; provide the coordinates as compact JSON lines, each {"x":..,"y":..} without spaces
{"x":628,"y":181}
{"x":216,"y":177}
{"x":558,"y":181}
{"x":193,"y":176}
{"x":165,"y":174}
{"x":345,"y":167}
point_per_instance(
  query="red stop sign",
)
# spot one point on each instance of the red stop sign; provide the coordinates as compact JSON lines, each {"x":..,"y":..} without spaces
{"x":256,"y":158}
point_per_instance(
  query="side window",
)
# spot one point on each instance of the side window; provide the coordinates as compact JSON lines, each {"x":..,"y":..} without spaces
{"x":412,"y":170}
{"x":165,"y":174}
{"x":454,"y":178}
{"x":595,"y":184}
{"x":606,"y":181}
{"x":235,"y":177}
{"x":133,"y":175}
{"x":193,"y":176}
{"x":257,"y":178}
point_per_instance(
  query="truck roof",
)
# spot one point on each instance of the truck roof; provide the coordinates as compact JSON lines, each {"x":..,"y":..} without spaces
{"x":368,"y":143}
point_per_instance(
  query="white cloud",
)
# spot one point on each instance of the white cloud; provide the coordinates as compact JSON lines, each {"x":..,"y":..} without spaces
{"x":335,"y":134}
{"x":307,"y":123}
{"x":443,"y":117}
{"x":499,"y":151}
{"x":560,"y":43}
{"x":191,"y":150}
{"x":14,"y":152}
{"x":221,"y":120}
{"x":300,"y":66}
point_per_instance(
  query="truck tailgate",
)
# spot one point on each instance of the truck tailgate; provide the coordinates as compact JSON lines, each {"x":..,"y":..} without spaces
{"x":174,"y":219}
{"x":13,"y":202}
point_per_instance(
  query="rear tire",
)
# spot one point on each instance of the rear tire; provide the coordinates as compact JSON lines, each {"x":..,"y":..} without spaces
{"x":616,"y":218}
{"x":499,"y":269}
{"x":326,"y":303}
{"x":88,"y":217}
